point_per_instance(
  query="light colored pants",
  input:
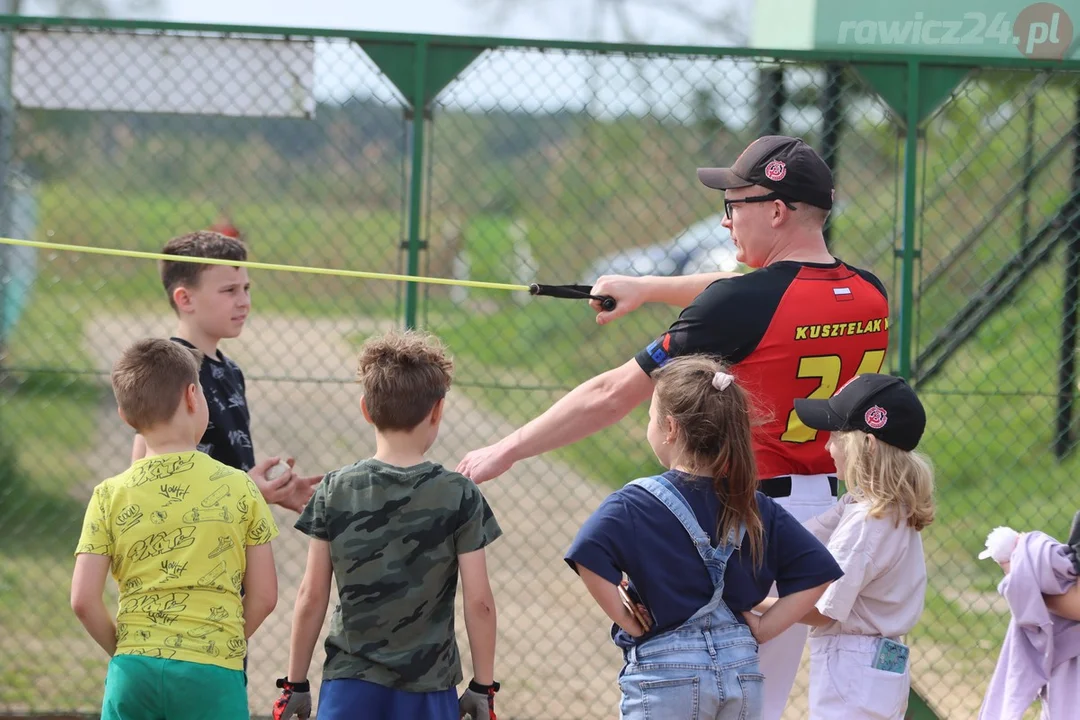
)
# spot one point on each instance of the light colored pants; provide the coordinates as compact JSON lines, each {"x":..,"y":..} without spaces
{"x":696,"y":672}
{"x":844,"y":685}
{"x":810,"y":496}
{"x":705,"y":669}
{"x":1061,"y":696}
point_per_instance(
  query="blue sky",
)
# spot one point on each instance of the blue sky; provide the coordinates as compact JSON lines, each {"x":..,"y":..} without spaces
{"x":515,"y":80}
{"x":551,"y":83}
{"x":650,"y":20}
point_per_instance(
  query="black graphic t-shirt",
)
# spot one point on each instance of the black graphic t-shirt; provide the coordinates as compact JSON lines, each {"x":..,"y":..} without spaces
{"x":228,"y":435}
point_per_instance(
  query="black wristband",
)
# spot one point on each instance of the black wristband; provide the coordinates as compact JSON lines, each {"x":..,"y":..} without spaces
{"x":483,"y":689}
{"x":301,"y":687}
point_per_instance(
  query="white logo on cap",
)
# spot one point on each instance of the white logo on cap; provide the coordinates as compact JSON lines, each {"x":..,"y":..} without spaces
{"x":876,"y":417}
{"x":776,"y":170}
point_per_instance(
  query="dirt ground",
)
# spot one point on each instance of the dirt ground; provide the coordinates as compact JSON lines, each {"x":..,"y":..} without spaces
{"x":554,"y":657}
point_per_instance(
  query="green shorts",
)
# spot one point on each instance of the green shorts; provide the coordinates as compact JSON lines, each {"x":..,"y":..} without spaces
{"x":149,"y":688}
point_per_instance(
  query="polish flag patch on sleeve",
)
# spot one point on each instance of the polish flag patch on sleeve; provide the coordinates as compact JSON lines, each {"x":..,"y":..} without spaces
{"x":842,"y":294}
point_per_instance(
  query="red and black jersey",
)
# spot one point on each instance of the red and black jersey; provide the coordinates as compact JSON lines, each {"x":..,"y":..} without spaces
{"x":790,"y":330}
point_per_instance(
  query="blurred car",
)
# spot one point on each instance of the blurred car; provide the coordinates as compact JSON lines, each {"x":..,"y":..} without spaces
{"x":705,"y":246}
{"x":714,"y":259}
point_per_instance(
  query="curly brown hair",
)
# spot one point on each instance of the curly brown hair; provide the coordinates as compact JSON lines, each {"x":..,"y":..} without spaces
{"x":403,"y":375}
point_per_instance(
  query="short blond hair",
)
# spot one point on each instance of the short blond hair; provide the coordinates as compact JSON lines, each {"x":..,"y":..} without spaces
{"x":814,"y":215}
{"x":149,"y":379}
{"x":894,"y":481}
{"x":403,"y":375}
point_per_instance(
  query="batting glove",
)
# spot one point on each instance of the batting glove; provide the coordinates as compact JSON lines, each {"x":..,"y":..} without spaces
{"x":478,"y":702}
{"x":295,"y":700}
{"x":1073,"y":543}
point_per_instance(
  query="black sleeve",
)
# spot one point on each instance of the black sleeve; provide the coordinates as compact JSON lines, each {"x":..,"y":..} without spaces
{"x":727,"y":319}
{"x":873,"y":280}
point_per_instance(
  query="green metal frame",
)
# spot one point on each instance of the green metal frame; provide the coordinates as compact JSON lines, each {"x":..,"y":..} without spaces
{"x":907,"y":271}
{"x":421,"y":66}
{"x":369,"y":37}
{"x":416,"y":181}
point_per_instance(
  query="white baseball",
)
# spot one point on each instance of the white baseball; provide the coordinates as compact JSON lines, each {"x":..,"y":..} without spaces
{"x":276,"y":471}
{"x":1000,"y":543}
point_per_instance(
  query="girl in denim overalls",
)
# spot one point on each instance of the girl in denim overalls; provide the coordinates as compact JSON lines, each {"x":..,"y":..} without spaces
{"x":700,"y":546}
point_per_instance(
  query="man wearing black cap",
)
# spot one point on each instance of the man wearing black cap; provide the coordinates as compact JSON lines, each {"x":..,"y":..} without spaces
{"x":799,"y":326}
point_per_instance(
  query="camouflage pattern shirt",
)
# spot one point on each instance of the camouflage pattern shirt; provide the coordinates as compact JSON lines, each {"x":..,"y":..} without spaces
{"x":395,"y":535}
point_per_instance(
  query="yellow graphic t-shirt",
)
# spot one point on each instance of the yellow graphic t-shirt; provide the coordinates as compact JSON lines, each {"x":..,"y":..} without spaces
{"x":176,"y":527}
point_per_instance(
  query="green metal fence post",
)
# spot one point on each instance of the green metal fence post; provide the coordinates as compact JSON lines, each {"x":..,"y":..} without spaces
{"x":772,"y":99}
{"x":907,"y":272}
{"x":1070,"y":304}
{"x":416,"y":180}
{"x":1027,"y":162}
{"x":832,"y":120}
{"x":7,"y":132}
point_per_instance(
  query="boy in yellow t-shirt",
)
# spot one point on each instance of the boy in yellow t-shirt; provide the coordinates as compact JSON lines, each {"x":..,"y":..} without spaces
{"x":181,"y":533}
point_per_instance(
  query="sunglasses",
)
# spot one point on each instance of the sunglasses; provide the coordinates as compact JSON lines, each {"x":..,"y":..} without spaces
{"x":769,"y":197}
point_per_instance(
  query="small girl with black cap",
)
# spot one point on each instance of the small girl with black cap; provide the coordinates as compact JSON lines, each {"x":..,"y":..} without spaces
{"x":699,"y":545}
{"x":858,"y":661}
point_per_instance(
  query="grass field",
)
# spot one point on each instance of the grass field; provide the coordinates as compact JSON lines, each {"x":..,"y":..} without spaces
{"x":48,"y":419}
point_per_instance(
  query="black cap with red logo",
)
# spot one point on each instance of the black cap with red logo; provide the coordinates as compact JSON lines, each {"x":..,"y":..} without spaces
{"x":880,"y":405}
{"x":785,"y":165}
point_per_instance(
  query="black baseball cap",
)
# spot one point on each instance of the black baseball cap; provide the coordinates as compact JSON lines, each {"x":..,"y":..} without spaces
{"x":785,"y":165}
{"x":880,"y":405}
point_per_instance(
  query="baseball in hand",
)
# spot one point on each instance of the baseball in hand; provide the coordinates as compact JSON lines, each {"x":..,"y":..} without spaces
{"x":999,"y":544}
{"x":276,"y":471}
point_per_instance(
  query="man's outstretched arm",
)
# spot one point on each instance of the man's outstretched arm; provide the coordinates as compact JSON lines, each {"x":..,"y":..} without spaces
{"x":630,"y":293}
{"x":591,"y":406}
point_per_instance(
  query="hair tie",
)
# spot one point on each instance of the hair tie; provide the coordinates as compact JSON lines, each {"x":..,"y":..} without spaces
{"x":722,"y":381}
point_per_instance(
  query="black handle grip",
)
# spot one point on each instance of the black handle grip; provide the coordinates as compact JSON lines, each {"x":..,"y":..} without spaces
{"x":573,"y":292}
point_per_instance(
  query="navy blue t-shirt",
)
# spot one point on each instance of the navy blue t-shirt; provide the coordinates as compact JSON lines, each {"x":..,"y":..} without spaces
{"x":634,"y":533}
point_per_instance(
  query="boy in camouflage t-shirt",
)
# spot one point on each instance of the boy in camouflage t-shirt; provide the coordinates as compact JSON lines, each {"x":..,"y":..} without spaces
{"x":395,"y":530}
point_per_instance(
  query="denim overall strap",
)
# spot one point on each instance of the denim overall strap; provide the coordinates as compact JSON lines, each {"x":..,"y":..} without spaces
{"x":715,"y":559}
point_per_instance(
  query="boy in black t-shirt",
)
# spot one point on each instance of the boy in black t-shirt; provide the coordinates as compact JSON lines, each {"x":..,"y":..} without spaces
{"x":212,"y":303}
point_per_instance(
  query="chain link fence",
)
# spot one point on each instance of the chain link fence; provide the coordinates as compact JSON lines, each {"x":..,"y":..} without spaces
{"x":552,"y":162}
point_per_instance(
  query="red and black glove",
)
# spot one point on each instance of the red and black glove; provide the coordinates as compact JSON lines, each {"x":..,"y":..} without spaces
{"x":295,"y":700}
{"x":478,"y":702}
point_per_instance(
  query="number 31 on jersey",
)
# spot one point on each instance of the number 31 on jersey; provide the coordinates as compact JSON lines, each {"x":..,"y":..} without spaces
{"x":825,"y":368}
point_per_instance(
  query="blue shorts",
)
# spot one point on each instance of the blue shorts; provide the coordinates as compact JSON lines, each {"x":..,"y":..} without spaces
{"x":349,"y":699}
